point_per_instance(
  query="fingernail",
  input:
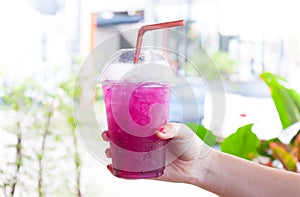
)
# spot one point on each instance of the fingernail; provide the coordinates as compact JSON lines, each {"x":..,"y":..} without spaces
{"x":108,"y":153}
{"x":107,"y":133}
{"x":161,"y":130}
{"x":109,"y":167}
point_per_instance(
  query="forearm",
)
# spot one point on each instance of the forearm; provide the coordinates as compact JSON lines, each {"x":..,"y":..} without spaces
{"x":228,"y":175}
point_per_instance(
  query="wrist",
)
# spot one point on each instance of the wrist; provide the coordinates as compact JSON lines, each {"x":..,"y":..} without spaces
{"x":208,"y":168}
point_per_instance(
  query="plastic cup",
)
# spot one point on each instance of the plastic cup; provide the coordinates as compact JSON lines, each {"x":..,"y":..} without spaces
{"x":137,"y":97}
{"x":137,"y":100}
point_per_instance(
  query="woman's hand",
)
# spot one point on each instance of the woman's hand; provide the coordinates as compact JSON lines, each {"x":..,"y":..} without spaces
{"x":186,"y":154}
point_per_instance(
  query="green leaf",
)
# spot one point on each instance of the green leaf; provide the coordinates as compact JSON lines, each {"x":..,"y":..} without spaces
{"x":71,"y":89}
{"x":39,"y":156}
{"x":77,"y":92}
{"x":296,"y":96}
{"x":77,"y":159}
{"x":223,"y":61}
{"x":19,"y":161}
{"x":71,"y":122}
{"x":264,"y":147}
{"x":297,"y":144}
{"x":288,"y":160}
{"x":57,"y":138}
{"x":286,"y":99}
{"x":243,"y":143}
{"x":204,"y":134}
{"x":17,"y":146}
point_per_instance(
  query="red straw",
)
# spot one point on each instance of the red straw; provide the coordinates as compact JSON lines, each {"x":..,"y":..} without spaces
{"x":145,"y":28}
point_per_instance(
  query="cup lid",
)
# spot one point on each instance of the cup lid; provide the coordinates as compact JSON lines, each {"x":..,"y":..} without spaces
{"x":152,"y":67}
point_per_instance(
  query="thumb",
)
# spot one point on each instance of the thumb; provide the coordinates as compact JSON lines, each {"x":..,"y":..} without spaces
{"x":176,"y":131}
{"x":184,"y":143}
{"x":168,"y":131}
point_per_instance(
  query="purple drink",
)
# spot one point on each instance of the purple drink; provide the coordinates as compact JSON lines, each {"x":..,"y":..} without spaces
{"x":134,"y":111}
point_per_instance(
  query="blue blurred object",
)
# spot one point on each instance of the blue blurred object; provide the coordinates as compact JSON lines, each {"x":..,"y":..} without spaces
{"x":119,"y":19}
{"x":48,"y":7}
{"x":186,"y":107}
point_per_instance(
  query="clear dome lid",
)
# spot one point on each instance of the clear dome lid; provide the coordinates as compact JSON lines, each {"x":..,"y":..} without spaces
{"x":152,"y":67}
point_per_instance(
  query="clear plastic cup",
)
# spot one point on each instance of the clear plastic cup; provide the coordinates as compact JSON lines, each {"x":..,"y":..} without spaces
{"x":137,"y":100}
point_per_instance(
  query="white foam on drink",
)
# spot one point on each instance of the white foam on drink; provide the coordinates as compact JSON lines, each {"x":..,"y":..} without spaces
{"x":159,"y":72}
{"x":115,"y":72}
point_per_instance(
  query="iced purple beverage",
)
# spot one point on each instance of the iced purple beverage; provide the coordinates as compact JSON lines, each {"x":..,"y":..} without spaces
{"x":134,"y":111}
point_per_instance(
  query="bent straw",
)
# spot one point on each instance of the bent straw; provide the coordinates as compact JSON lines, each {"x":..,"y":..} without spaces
{"x":146,"y":28}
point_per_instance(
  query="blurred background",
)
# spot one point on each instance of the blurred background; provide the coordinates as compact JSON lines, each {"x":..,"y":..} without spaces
{"x":44,"y":42}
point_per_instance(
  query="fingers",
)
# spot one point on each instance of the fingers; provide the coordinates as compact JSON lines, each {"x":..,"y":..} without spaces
{"x":108,"y":153}
{"x":105,"y":136}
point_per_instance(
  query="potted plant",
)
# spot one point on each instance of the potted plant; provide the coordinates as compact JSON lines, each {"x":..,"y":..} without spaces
{"x":280,"y":152}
